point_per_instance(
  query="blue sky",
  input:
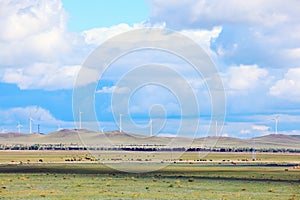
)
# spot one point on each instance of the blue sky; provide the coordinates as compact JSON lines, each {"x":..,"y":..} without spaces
{"x":254,"y":45}
{"x":104,"y":13}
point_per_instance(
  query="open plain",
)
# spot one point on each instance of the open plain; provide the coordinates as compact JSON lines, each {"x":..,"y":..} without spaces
{"x":52,"y":175}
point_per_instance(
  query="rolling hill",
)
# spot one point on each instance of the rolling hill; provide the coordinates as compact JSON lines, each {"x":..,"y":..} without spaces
{"x":115,"y":138}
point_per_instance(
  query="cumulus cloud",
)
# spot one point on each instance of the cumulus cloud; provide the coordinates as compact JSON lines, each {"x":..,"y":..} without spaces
{"x":42,"y":75}
{"x":268,"y":13}
{"x":245,"y":77}
{"x":253,"y":32}
{"x":32,"y":30}
{"x":204,"y":37}
{"x":35,"y":45}
{"x":39,"y":53}
{"x":288,"y":87}
{"x":22,"y":114}
{"x":96,"y":36}
{"x":11,"y":117}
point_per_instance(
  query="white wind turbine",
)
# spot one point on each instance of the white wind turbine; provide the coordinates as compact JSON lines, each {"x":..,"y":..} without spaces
{"x":102,"y":129}
{"x":120,"y":130}
{"x":151,"y":127}
{"x":30,"y":124}
{"x":58,"y":127}
{"x":19,"y":126}
{"x":217,"y":128}
{"x":276,"y":123}
{"x":80,"y":125}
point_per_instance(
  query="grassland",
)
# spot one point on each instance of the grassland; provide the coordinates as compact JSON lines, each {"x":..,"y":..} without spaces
{"x":90,"y":181}
{"x":54,"y":178}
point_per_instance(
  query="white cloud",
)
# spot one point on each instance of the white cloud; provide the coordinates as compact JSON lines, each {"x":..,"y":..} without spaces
{"x":291,"y":53}
{"x":35,"y":45}
{"x":9,"y":119}
{"x":37,"y":52}
{"x":21,"y":19}
{"x":245,"y":77}
{"x":113,"y":89}
{"x":96,"y":36}
{"x":166,"y":135}
{"x":256,"y":11}
{"x":32,"y":30}
{"x":203,"y":37}
{"x":253,"y":32}
{"x":225,"y":135}
{"x":42,"y":75}
{"x":260,"y":128}
{"x":267,"y":13}
{"x":22,"y":114}
{"x":288,"y":87}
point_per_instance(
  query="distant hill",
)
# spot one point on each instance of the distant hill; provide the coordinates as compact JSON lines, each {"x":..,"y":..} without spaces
{"x":278,"y":141}
{"x":92,"y":138}
{"x":8,"y":138}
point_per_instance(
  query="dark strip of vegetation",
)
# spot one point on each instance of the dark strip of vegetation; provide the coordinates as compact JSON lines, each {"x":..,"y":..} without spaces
{"x":132,"y":147}
{"x":169,"y":172}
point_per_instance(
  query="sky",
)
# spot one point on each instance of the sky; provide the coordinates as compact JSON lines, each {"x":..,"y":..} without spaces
{"x":255,"y":46}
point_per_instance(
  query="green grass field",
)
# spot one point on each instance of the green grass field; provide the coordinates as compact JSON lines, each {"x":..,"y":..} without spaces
{"x":55,"y":179}
{"x":90,"y":181}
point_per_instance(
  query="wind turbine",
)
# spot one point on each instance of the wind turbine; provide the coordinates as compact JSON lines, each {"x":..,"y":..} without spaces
{"x":276,"y":124}
{"x":80,"y":113}
{"x":102,"y":129}
{"x":58,"y":127}
{"x":120,"y":128}
{"x":19,"y":126}
{"x":150,"y":124}
{"x":39,"y":128}
{"x":216,"y":128}
{"x":30,"y":124}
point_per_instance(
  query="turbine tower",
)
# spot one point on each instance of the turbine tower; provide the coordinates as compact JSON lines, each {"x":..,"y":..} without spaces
{"x":216,"y":128}
{"x":276,"y":124}
{"x":30,"y":125}
{"x":58,"y":127}
{"x":19,"y":126}
{"x":120,"y":128}
{"x":39,"y":128}
{"x":150,"y":124}
{"x":102,"y":129}
{"x":80,"y":113}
